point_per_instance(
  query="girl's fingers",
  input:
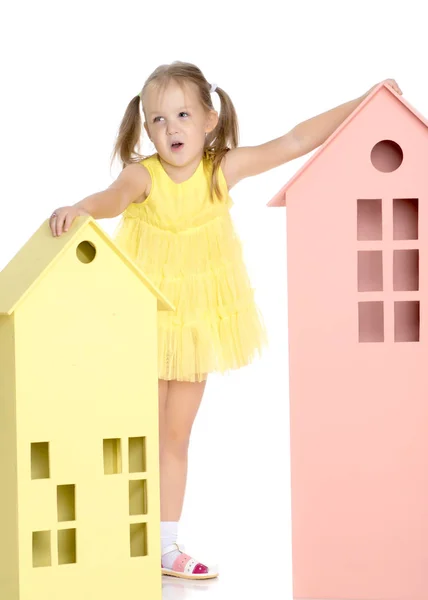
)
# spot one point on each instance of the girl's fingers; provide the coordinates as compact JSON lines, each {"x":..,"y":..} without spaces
{"x":68,"y":221}
{"x":394,"y":85}
{"x":61,"y":220}
{"x":59,"y":223}
{"x":52,"y":223}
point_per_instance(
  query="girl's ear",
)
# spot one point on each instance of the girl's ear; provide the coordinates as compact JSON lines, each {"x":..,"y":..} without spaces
{"x":212,"y":121}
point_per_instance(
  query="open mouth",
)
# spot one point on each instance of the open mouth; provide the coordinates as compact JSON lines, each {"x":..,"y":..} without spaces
{"x":177,"y":145}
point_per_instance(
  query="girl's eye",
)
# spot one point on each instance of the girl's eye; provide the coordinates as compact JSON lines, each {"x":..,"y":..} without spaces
{"x":157,"y":119}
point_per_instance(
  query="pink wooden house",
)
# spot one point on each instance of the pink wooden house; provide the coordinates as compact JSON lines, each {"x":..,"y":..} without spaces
{"x":357,"y":247}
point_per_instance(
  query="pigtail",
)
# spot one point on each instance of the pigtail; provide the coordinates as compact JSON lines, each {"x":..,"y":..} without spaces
{"x":223,"y":138}
{"x":129,"y":134}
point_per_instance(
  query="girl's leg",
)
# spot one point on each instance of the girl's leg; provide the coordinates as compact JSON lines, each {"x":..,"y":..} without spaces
{"x":163,"y":395}
{"x":183,"y":401}
{"x":168,"y":533}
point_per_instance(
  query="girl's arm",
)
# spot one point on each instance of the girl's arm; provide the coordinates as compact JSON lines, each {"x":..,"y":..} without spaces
{"x":240,"y":163}
{"x":131,"y":184}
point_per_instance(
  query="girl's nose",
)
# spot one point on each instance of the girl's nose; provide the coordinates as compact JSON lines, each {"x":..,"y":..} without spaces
{"x":171,"y":128}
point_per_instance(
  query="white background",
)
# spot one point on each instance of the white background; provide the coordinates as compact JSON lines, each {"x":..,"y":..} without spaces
{"x":69,"y":70}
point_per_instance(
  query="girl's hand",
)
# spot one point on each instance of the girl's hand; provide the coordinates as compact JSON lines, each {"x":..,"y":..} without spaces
{"x":62,"y":218}
{"x":391,"y":82}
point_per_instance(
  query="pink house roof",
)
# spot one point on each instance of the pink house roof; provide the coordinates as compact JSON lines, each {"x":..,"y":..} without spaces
{"x":280,"y":198}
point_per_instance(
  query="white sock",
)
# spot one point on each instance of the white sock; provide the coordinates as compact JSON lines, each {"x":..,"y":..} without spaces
{"x":169,"y":534}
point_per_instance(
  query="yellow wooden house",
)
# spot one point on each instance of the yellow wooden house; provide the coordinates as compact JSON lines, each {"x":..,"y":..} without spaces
{"x":79,"y":501}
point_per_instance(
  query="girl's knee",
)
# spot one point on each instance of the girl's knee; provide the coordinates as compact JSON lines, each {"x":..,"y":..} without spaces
{"x":175,"y":440}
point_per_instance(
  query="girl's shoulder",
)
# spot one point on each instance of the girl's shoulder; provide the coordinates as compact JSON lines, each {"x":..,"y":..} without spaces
{"x":147,"y":165}
{"x":222,"y":172}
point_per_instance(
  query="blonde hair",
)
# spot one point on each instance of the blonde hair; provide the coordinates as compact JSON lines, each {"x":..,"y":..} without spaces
{"x":217,"y":143}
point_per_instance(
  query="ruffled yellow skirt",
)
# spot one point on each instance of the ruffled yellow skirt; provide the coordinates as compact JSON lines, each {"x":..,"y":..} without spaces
{"x":216,"y":326}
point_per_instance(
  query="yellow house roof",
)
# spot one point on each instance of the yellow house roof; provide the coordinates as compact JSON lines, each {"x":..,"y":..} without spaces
{"x":42,"y":251}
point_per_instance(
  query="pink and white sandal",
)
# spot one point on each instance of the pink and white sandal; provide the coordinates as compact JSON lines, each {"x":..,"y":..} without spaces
{"x":186,"y":567}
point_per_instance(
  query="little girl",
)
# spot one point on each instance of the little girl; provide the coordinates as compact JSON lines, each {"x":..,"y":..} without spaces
{"x":177,"y":227}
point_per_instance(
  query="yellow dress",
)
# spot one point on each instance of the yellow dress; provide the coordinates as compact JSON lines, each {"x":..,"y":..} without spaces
{"x":187,"y":245}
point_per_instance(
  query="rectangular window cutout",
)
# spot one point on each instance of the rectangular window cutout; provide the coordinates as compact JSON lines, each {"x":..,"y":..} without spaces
{"x":138,"y":497}
{"x":112,"y":457}
{"x":370,"y":276}
{"x":406,"y":270}
{"x":406,"y":219}
{"x":137,"y":455}
{"x":66,"y":502}
{"x":371,"y":321}
{"x":138,"y":539}
{"x":66,"y":546}
{"x":40,"y":460}
{"x":407,"y":321}
{"x":42,"y":549}
{"x":369,"y":220}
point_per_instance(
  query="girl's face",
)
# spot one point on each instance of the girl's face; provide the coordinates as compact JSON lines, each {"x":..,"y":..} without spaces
{"x":176,"y":122}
